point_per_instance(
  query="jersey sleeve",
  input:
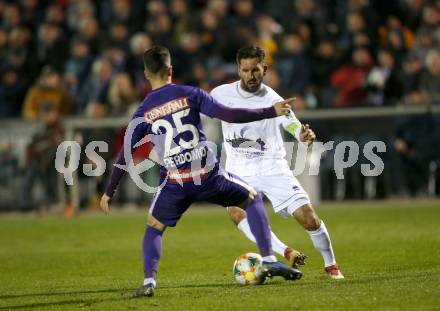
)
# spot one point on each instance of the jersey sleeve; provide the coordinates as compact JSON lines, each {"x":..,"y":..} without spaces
{"x":213,"y":109}
{"x":136,"y":131}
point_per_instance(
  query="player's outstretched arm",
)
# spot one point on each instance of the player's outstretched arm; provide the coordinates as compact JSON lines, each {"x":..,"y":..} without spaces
{"x":105,"y":203}
{"x":283,"y":108}
{"x":212,"y":108}
{"x":243,"y":115}
{"x":138,"y":132}
{"x":113,"y":182}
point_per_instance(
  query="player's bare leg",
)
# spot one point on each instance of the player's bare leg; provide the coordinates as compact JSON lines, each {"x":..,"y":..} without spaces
{"x":317,"y":230}
{"x":294,"y":257}
{"x":151,"y":251}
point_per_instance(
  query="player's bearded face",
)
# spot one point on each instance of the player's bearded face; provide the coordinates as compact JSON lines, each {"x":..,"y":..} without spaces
{"x":251,"y":72}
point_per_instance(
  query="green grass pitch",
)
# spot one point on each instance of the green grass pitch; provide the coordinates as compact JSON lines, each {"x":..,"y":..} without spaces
{"x":388,"y":251}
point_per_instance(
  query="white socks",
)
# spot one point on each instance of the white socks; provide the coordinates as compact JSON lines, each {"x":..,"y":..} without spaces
{"x":270,"y":258}
{"x":277,"y":246}
{"x":321,"y":241}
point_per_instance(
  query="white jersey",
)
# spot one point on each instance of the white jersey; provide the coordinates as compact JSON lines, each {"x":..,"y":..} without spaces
{"x":255,"y":148}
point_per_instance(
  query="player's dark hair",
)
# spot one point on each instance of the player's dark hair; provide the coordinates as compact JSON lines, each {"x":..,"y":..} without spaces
{"x":156,"y":59}
{"x":250,"y":51}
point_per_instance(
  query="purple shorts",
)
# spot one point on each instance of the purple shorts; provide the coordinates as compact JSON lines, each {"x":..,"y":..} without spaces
{"x":219,"y":187}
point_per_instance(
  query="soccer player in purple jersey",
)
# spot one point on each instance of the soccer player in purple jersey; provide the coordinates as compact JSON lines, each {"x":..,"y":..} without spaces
{"x":189,"y":172}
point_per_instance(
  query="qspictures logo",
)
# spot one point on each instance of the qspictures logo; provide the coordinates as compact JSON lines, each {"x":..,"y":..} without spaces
{"x":171,"y":152}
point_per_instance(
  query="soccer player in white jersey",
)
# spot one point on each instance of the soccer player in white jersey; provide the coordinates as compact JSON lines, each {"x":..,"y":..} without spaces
{"x":255,"y":153}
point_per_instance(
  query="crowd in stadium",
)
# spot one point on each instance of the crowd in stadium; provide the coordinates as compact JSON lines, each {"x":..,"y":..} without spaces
{"x":83,"y":57}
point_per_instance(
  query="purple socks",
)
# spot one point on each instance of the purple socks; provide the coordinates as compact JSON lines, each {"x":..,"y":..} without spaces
{"x":151,"y":251}
{"x":259,"y":224}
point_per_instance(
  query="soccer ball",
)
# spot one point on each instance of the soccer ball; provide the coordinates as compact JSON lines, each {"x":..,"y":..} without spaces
{"x":247,"y":269}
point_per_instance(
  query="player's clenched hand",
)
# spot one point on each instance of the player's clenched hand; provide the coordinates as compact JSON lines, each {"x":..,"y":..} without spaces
{"x":307,"y":135}
{"x":105,"y":203}
{"x":283,"y":108}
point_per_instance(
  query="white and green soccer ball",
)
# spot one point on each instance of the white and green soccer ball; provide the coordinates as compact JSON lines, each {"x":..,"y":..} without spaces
{"x":248,"y":268}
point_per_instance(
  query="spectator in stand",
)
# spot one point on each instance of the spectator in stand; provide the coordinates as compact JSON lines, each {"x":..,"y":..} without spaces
{"x":430,"y":19}
{"x":12,"y":91}
{"x":414,"y":138}
{"x":187,"y":54}
{"x":430,"y":80}
{"x":370,"y":14}
{"x":122,"y":13}
{"x":159,"y":23}
{"x":11,"y":17}
{"x":309,"y":13}
{"x":294,"y":15}
{"x":181,"y":19}
{"x":52,"y":48}
{"x":293,"y":64}
{"x":20,"y":54}
{"x":156,"y":8}
{"x":244,"y":14}
{"x":88,"y":30}
{"x":98,"y":83}
{"x":424,"y":43}
{"x":3,"y":43}
{"x":362,"y":40}
{"x":76,"y":73}
{"x":45,"y":96}
{"x":56,"y":15}
{"x":40,"y":159}
{"x":77,"y":11}
{"x":130,"y":13}
{"x":273,"y":80}
{"x":350,"y":78}
{"x":160,"y":29}
{"x":139,"y":43}
{"x":207,"y":25}
{"x":307,"y":36}
{"x":31,"y":14}
{"x":412,"y":74}
{"x":268,"y":29}
{"x":325,"y":62}
{"x":122,"y":95}
{"x":117,"y":56}
{"x":383,"y":82}
{"x":412,"y":11}
{"x":220,"y":9}
{"x":198,"y":76}
{"x":118,"y":36}
{"x":236,"y":38}
{"x":396,"y":37}
{"x":354,"y":24}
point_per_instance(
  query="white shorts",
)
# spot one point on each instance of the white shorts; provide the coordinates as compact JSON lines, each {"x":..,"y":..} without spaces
{"x":283,"y":191}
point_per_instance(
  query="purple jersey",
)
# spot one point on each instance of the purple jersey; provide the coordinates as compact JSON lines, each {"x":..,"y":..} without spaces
{"x":170,"y":117}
